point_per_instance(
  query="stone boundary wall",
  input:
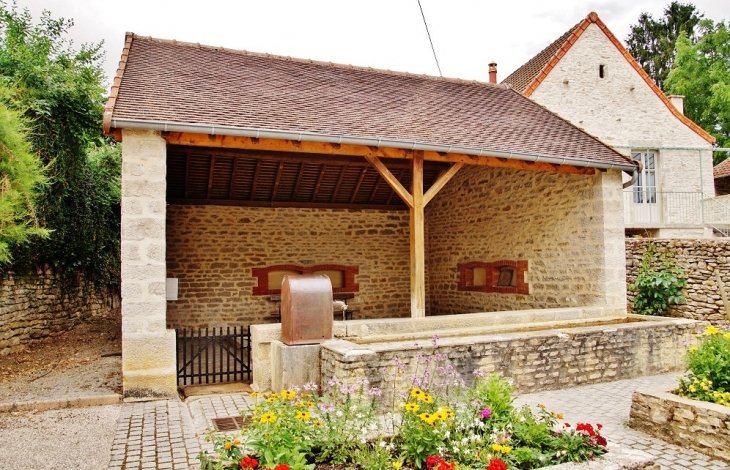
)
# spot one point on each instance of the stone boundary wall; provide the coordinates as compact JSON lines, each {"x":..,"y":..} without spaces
{"x":535,"y":361}
{"x":39,"y":305}
{"x":702,"y":426}
{"x":701,"y":259}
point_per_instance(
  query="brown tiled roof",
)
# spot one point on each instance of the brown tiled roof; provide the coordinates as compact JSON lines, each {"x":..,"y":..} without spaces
{"x":167,"y":81}
{"x":722,"y":169}
{"x":523,"y":77}
{"x":527,"y":78}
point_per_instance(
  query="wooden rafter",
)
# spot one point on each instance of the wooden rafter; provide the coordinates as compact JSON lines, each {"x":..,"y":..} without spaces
{"x":235,"y":142}
{"x":339,"y":183}
{"x":233,"y":177}
{"x":277,"y":180}
{"x":357,"y":185}
{"x":298,"y":182}
{"x":186,"y":183}
{"x":375,"y":190}
{"x":211,"y":171}
{"x":255,"y":179}
{"x":319,"y":182}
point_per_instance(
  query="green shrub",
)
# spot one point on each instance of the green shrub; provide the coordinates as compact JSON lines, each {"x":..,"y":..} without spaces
{"x":709,"y":368}
{"x":658,"y":289}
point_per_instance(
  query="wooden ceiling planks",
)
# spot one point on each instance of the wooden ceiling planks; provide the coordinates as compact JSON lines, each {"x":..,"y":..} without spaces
{"x":197,"y":175}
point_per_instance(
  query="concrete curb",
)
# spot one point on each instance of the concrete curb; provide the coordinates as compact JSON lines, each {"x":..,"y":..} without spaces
{"x":59,"y":403}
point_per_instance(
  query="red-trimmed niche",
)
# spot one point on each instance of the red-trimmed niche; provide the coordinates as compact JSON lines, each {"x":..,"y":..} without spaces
{"x":503,"y":277}
{"x":342,"y":277}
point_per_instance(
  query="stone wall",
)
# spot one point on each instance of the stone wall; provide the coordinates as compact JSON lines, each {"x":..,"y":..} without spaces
{"x":701,"y":259}
{"x":212,"y":249}
{"x":698,"y":425}
{"x":39,"y":305}
{"x":540,"y":360}
{"x":568,"y":227}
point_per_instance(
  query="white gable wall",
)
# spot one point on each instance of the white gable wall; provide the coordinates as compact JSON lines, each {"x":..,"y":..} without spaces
{"x":622,"y":110}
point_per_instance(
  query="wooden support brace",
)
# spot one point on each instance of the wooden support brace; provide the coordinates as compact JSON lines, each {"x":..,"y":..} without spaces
{"x":441,"y":182}
{"x":391,"y":180}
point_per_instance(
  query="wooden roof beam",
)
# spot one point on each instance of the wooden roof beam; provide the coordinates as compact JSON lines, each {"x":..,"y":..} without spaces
{"x":249,"y":143}
{"x":391,"y":180}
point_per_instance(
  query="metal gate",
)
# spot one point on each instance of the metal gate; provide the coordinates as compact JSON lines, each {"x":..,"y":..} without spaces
{"x":213,"y":355}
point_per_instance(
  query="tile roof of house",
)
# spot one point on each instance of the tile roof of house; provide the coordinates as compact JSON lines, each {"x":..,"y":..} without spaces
{"x":172,"y":82}
{"x":722,"y":169}
{"x":527,"y":78}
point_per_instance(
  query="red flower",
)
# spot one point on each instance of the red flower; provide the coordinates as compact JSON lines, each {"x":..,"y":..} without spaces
{"x":601,"y":440}
{"x":496,"y":464}
{"x":282,"y":466}
{"x":248,"y":462}
{"x":432,"y":461}
{"x":567,"y":425}
{"x":599,"y":426}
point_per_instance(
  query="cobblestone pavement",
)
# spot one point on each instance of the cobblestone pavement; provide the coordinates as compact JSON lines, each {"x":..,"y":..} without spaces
{"x":609,"y":404}
{"x":170,"y":434}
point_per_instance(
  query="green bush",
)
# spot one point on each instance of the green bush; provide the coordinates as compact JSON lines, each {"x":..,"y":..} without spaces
{"x":658,"y":289}
{"x":709,"y":368}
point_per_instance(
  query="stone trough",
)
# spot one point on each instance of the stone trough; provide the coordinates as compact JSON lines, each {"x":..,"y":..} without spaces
{"x":538,"y":350}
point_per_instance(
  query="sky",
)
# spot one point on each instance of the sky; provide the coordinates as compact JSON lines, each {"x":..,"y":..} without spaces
{"x":385,"y":34}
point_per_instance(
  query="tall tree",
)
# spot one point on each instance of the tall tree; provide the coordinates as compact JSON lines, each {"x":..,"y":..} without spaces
{"x":21,"y":178}
{"x":652,"y":41}
{"x":60,"y":90}
{"x":701,"y":73}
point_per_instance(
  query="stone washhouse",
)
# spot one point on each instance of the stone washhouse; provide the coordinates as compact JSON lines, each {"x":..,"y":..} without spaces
{"x":418,"y":196}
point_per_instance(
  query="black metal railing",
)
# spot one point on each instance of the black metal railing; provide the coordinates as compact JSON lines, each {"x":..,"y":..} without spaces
{"x":213,"y":355}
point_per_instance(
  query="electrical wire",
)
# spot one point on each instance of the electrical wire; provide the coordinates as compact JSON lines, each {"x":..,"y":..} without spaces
{"x":429,"y":38}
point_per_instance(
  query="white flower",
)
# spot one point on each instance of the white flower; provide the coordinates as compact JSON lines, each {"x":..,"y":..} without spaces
{"x":447,"y":434}
{"x":381,"y":443}
{"x":339,"y":413}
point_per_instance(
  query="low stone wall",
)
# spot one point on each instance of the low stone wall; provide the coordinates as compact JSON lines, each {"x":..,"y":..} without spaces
{"x":550,"y":359}
{"x":702,"y":426}
{"x":39,"y":305}
{"x":701,"y":259}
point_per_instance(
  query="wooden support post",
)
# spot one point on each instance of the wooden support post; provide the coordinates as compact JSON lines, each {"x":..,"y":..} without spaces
{"x":418,"y":252}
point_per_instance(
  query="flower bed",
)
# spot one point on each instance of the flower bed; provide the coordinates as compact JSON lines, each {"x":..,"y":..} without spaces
{"x":697,"y":414}
{"x":438,"y":423}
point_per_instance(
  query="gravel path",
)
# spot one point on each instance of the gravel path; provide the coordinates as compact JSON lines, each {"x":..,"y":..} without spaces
{"x":77,"y":438}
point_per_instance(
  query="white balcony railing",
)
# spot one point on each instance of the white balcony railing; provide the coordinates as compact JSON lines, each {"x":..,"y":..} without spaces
{"x":657,"y":209}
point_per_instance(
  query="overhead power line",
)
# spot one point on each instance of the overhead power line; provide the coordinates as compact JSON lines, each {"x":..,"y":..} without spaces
{"x":429,"y":38}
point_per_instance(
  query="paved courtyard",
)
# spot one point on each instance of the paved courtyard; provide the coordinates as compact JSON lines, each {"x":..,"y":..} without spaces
{"x":170,"y":434}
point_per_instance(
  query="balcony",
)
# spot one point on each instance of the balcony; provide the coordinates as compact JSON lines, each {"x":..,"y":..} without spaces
{"x":646,"y":208}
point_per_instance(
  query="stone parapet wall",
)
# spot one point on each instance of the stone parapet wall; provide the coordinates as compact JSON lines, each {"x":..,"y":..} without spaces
{"x":702,"y":426}
{"x":41,"y":304}
{"x":213,"y":249}
{"x":534,"y":361}
{"x":701,"y":260}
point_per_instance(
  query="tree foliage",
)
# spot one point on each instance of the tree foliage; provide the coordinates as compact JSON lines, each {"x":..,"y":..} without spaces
{"x":701,"y":73}
{"x":652,"y":41}
{"x":21,"y":177}
{"x":60,"y":91}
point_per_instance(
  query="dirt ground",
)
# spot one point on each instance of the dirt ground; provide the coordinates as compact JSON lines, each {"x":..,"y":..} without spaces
{"x":82,"y":361}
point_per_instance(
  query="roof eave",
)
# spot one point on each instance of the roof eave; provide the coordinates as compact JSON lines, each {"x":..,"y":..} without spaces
{"x":207,"y":129}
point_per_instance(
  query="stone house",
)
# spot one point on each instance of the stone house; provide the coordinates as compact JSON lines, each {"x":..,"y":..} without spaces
{"x":589,"y":78}
{"x":417,"y":195}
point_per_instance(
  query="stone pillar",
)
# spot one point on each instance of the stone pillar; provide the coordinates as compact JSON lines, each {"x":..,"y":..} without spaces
{"x":608,"y":197}
{"x":148,"y":347}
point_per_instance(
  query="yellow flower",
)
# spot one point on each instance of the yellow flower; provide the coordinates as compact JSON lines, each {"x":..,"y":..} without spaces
{"x":541,"y":406}
{"x":227,"y":445}
{"x":427,"y":398}
{"x":560,"y":415}
{"x":310,"y":404}
{"x":299,"y":404}
{"x":411,"y":407}
{"x":255,"y":394}
{"x":449,"y":413}
{"x":692,"y":349}
{"x":441,"y":415}
{"x":727,"y":335}
{"x":236,"y":442}
{"x":427,"y":417}
{"x":692,"y":388}
{"x":502,"y":449}
{"x":268,"y":418}
{"x":397,"y":464}
{"x":417,"y":393}
{"x":270,"y":400}
{"x":317,"y":423}
{"x":712,"y":330}
{"x":288,"y":394}
{"x":303,"y":415}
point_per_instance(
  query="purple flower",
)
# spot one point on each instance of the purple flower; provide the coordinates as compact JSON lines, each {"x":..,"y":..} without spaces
{"x":485,"y":413}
